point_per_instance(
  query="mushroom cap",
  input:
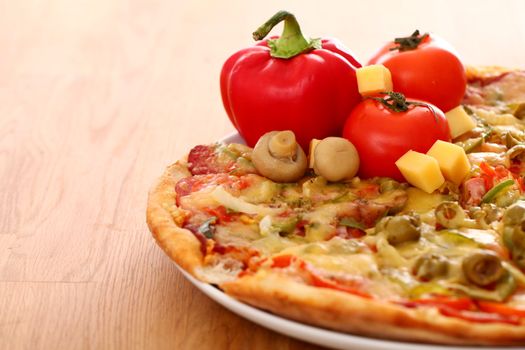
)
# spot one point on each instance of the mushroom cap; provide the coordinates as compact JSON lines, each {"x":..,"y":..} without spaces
{"x":336,"y":159}
{"x":278,"y":169}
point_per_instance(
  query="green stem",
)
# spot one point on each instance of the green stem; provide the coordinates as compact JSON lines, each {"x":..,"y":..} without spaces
{"x":409,"y":42}
{"x":291,"y":42}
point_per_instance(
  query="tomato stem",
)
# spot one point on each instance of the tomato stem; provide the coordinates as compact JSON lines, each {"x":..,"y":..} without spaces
{"x":408,"y":43}
{"x":291,"y":42}
{"x":397,"y":102}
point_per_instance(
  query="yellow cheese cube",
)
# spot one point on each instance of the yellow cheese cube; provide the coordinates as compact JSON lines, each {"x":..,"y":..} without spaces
{"x":452,"y":160}
{"x":459,"y":121}
{"x":311,"y":159}
{"x":373,"y":79}
{"x":421,"y":171}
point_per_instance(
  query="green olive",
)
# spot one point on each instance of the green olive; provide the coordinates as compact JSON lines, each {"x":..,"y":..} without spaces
{"x":486,"y":214}
{"x":450,"y":215}
{"x":274,"y":159}
{"x":482,"y":269}
{"x":387,"y":184}
{"x":514,"y":214}
{"x":514,"y":240}
{"x":403,"y":228}
{"x":492,"y":212}
{"x":381,"y":224}
{"x":336,"y":159}
{"x":428,"y":267}
{"x":518,"y":236}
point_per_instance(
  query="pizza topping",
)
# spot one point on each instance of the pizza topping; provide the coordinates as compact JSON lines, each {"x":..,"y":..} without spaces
{"x":384,"y":129}
{"x":503,"y":87}
{"x":518,"y":110}
{"x":499,"y":291}
{"x":207,"y":228}
{"x":459,"y":121}
{"x":441,"y":301}
{"x":234,"y":203}
{"x":450,"y":215}
{"x":318,"y":281}
{"x":279,"y":157}
{"x":202,"y":160}
{"x":430,"y":266}
{"x":452,"y":160}
{"x":497,"y":190}
{"x":501,"y":309}
{"x":514,"y":214}
{"x":514,"y":232}
{"x":421,"y":171}
{"x":373,"y":79}
{"x":335,"y":159}
{"x":220,"y":158}
{"x":473,"y":191}
{"x":400,"y":229}
{"x":283,"y":226}
{"x":480,"y":317}
{"x":482,"y":269}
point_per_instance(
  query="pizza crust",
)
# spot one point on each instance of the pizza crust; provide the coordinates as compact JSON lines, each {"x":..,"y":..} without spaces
{"x":348,"y":313}
{"x":180,"y":244}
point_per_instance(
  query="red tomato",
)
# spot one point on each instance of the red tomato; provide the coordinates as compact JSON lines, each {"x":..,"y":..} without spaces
{"x":430,"y":72}
{"x":381,"y":136}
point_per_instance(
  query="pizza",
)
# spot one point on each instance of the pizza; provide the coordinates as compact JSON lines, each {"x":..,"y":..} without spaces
{"x":376,"y":256}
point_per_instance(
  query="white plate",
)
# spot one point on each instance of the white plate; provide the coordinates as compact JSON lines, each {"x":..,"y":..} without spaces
{"x":312,"y":334}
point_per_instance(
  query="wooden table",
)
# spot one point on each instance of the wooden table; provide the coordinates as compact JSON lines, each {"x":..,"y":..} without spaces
{"x":96,"y":97}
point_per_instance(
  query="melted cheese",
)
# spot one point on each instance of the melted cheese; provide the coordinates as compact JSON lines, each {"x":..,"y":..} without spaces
{"x":422,"y":202}
{"x":483,"y":237}
{"x":337,"y":256}
{"x":262,"y":191}
{"x":229,"y":201}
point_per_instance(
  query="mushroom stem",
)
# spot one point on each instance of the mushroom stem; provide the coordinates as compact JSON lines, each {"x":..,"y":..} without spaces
{"x":283,"y":144}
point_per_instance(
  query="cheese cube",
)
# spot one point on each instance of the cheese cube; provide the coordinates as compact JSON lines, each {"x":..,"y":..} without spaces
{"x":373,"y":79}
{"x":421,"y":171}
{"x":452,"y":160}
{"x":311,"y":158}
{"x":459,"y":121}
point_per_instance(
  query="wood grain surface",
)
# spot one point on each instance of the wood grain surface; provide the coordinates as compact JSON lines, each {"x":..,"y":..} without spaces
{"x":96,"y":98}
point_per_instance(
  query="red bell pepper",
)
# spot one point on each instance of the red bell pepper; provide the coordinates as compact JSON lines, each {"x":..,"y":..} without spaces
{"x":442,"y":301}
{"x":501,"y":309}
{"x":289,"y":83}
{"x":480,"y":317}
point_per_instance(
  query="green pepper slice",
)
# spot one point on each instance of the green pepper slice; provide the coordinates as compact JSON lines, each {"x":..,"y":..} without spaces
{"x":494,"y":191}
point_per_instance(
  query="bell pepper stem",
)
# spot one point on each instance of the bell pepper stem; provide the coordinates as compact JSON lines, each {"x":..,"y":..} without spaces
{"x":291,"y":42}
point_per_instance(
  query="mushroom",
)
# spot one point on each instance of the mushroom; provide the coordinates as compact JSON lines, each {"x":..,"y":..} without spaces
{"x":336,"y":159}
{"x":279,"y":157}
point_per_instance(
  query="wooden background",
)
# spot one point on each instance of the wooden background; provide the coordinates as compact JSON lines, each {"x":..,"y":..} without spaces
{"x":96,"y":98}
